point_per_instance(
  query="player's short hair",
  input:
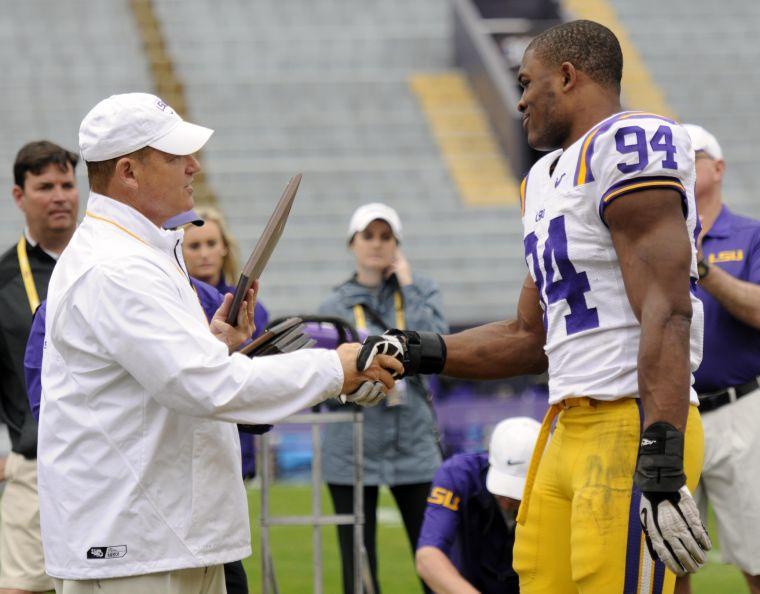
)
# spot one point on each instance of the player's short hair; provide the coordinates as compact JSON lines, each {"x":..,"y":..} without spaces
{"x":99,"y":173}
{"x":589,"y":46}
{"x":35,"y":156}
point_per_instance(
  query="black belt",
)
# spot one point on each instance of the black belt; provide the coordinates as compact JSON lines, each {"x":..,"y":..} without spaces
{"x":713,"y":400}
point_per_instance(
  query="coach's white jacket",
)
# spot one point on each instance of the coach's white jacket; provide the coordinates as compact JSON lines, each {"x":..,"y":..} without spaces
{"x":139,"y":459}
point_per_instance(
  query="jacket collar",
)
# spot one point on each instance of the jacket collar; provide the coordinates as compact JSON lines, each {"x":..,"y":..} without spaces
{"x":355,"y":293}
{"x":131,"y":221}
{"x":33,"y":245}
{"x":722,"y":227}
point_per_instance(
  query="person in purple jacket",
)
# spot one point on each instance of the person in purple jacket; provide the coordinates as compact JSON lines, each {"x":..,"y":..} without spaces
{"x":211,"y":255}
{"x":467,"y":536}
{"x":727,"y":382}
{"x":210,"y":299}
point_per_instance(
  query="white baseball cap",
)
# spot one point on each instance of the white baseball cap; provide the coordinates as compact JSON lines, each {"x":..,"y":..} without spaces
{"x":125,"y":123}
{"x":373,"y":211}
{"x":702,"y":140}
{"x":512,"y":443}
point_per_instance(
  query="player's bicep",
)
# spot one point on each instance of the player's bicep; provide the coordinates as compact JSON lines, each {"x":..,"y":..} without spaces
{"x":654,"y":248}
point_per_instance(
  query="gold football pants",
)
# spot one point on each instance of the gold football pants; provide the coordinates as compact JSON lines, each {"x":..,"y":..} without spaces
{"x":580,"y":531}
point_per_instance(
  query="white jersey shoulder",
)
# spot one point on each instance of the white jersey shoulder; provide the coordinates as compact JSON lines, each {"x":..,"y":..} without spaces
{"x":636,"y":151}
{"x":592,"y":334}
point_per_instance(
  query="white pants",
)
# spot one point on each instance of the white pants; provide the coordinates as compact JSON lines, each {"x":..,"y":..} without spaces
{"x":197,"y":580}
{"x":731,"y":479}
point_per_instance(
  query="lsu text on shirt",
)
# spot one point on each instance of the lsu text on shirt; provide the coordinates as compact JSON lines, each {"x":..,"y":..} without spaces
{"x":592,"y":334}
{"x":732,"y":348}
{"x":463,"y":521}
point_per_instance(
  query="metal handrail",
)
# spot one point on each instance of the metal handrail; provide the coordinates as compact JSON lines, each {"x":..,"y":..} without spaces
{"x":362,"y":576}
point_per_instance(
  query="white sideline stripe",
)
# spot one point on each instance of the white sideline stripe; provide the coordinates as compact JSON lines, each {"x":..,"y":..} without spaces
{"x":388,"y":516}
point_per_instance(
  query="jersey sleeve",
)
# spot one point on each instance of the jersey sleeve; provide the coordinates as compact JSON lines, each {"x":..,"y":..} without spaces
{"x":636,"y":153}
{"x":442,"y":514}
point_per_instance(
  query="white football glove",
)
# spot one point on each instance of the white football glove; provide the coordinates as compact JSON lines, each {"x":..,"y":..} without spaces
{"x":368,"y":394}
{"x":674,"y":531}
{"x":371,"y":393}
{"x":379,"y":345}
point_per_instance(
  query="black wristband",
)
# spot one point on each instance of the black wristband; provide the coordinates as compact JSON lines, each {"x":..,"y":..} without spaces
{"x":425,"y":351}
{"x":660,"y":464}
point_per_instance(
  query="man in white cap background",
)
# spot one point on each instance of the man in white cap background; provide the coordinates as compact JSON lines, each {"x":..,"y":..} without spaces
{"x":727,"y":380}
{"x":138,"y":455}
{"x":469,"y":529}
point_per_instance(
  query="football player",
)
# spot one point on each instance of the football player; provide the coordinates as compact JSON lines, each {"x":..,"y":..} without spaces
{"x":608,"y":306}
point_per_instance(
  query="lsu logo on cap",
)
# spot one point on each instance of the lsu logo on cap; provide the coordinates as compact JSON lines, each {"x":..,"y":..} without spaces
{"x":163,"y":106}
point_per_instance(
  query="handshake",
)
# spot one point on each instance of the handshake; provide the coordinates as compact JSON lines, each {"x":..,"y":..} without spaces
{"x":370,"y":369}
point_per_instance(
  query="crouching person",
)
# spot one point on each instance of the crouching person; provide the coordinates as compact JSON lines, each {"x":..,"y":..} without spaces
{"x":469,"y":529}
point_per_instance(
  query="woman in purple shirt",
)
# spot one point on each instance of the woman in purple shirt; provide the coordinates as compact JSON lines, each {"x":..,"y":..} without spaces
{"x":211,"y":255}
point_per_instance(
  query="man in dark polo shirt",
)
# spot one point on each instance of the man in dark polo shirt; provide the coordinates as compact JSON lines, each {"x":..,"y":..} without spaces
{"x":467,"y":536}
{"x":45,"y":191}
{"x":727,"y":381}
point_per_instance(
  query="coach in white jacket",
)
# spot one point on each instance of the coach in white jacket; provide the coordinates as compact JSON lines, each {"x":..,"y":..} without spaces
{"x":139,"y":459}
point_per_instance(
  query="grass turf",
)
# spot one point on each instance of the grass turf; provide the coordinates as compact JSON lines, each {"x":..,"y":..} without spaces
{"x":292,"y":550}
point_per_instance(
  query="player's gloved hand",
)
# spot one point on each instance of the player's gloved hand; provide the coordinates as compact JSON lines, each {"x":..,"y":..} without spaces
{"x":418,"y":352}
{"x":368,"y":394}
{"x":379,"y":345}
{"x":669,"y":516}
{"x":366,"y":387}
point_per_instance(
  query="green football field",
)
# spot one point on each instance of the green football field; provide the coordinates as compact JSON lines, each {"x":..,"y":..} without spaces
{"x":291,"y":548}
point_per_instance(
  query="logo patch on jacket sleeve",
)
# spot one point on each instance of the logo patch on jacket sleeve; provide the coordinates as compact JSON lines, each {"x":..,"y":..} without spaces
{"x":115,"y":552}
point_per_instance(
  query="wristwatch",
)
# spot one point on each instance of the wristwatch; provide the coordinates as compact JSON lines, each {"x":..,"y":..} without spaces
{"x":703,"y":269}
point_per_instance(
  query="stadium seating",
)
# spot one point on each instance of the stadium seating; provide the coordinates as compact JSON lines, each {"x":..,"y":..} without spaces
{"x":59,"y":59}
{"x":706,"y":67}
{"x":323,"y":88}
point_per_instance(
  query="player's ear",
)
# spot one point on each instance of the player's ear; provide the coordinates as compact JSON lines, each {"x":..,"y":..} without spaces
{"x":569,"y":75}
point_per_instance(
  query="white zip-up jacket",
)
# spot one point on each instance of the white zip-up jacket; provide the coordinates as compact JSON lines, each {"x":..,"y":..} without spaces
{"x":138,"y":456}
